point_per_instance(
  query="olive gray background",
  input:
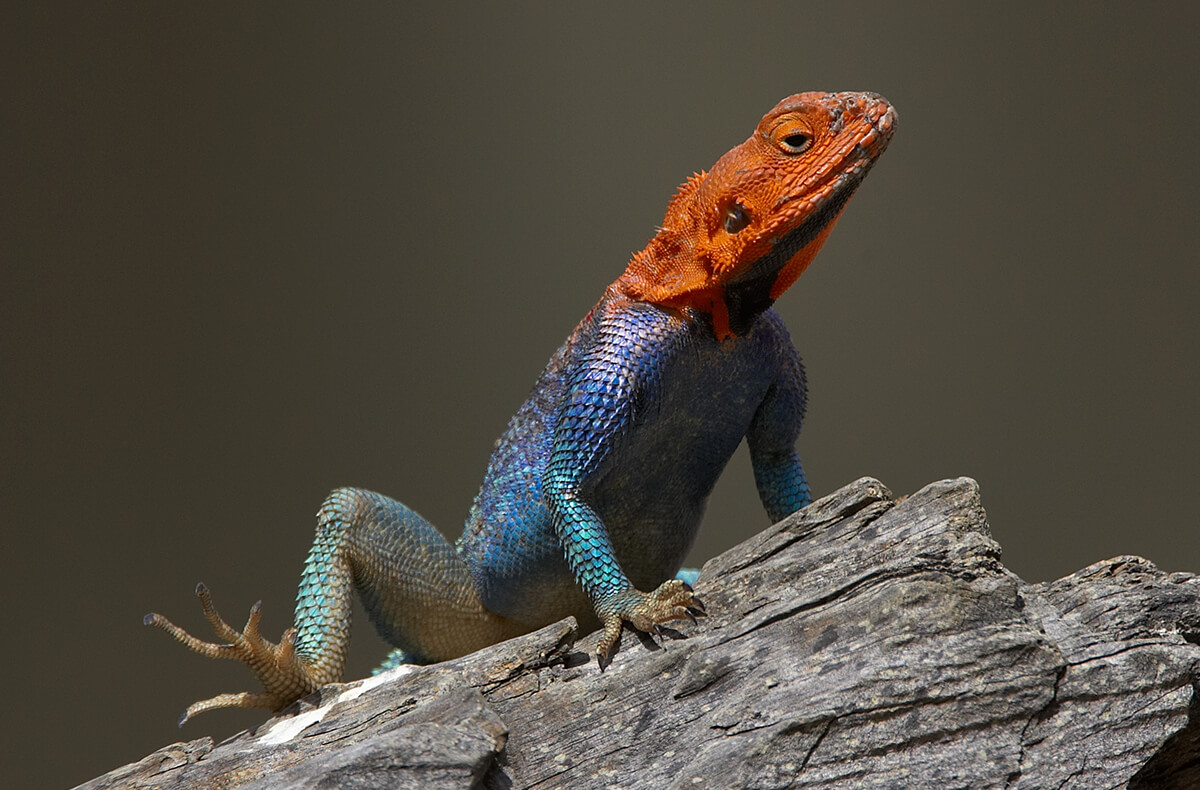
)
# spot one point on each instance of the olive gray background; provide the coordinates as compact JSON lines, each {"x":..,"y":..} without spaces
{"x":250,"y":254}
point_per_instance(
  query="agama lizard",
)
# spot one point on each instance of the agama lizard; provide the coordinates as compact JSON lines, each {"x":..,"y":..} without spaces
{"x":594,"y":492}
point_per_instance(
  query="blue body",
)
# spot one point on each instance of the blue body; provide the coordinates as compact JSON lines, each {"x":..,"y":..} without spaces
{"x":593,"y":493}
{"x":616,"y":451}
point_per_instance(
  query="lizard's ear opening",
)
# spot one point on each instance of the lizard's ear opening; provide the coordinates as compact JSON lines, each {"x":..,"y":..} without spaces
{"x":737,"y":218}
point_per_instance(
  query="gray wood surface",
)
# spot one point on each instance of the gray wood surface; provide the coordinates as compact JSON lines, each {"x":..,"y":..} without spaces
{"x":867,"y":641}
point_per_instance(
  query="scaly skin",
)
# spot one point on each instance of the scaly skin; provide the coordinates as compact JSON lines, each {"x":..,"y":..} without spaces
{"x":594,"y":493}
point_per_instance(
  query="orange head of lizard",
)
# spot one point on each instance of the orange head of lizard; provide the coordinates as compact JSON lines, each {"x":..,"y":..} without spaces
{"x":735,"y":238}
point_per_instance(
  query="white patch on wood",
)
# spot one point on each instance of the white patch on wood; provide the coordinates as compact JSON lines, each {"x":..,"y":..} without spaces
{"x":366,"y":684}
{"x":287,"y":729}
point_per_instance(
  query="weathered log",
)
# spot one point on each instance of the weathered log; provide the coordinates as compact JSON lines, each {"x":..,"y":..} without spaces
{"x":866,"y":641}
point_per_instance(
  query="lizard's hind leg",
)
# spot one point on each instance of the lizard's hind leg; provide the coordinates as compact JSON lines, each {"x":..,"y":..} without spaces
{"x":416,"y":589}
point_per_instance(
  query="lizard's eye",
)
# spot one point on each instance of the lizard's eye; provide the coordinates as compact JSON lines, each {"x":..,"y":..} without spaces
{"x":795,"y":142}
{"x":736,"y":218}
{"x":792,"y":137}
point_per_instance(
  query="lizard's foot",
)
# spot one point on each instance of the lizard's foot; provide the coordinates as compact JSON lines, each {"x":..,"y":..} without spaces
{"x":673,"y":600}
{"x":285,"y":676}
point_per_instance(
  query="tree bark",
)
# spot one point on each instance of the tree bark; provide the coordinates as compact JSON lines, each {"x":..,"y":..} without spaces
{"x":864,"y":641}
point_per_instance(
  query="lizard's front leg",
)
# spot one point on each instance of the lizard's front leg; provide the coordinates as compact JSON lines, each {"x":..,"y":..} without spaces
{"x":619,"y":369}
{"x":416,"y":589}
{"x":594,"y":563}
{"x":778,"y":473}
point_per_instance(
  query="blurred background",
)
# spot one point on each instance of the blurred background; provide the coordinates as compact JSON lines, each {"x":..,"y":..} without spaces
{"x":253,"y":253}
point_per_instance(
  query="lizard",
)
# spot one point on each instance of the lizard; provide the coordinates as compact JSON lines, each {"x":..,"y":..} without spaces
{"x":595,"y":491}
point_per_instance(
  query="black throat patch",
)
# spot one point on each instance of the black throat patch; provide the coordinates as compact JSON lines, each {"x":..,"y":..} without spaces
{"x":749,"y":295}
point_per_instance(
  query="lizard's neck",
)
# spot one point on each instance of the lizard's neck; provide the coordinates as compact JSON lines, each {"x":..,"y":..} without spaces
{"x":679,"y":282}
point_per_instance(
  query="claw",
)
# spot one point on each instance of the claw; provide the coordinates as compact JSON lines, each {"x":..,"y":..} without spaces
{"x":608,"y":641}
{"x":285,"y":676}
{"x":648,"y":613}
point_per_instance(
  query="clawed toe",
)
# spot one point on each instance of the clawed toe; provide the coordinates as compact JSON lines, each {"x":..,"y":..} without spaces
{"x":285,"y":676}
{"x":648,"y":613}
{"x":239,"y":699}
